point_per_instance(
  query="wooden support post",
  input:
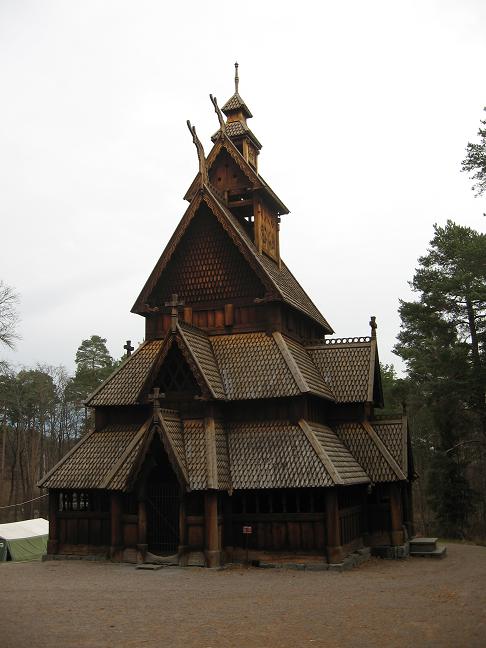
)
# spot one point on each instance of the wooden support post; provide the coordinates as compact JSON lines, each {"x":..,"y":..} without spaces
{"x":213,"y":547}
{"x":53,"y":543}
{"x":227,"y":506}
{"x":229,"y":314}
{"x":183,"y":547}
{"x":334,"y":549}
{"x":115,"y":518}
{"x":396,"y":514}
{"x":142,"y":529}
{"x":365,"y":517}
{"x":410,"y":519}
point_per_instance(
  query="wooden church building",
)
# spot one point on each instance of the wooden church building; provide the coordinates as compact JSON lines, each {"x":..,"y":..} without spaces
{"x":238,"y":424}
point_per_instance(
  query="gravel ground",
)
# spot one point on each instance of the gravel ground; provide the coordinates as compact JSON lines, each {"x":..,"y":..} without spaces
{"x":418,"y":602}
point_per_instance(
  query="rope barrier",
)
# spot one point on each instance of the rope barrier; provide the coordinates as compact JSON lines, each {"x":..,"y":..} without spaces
{"x":22,"y":503}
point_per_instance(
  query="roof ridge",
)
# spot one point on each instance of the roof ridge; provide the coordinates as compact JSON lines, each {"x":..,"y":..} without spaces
{"x":383,"y":449}
{"x":139,"y":435}
{"x":290,"y":362}
{"x":178,"y":462}
{"x":321,"y":452}
{"x":330,"y":342}
{"x":198,"y":364}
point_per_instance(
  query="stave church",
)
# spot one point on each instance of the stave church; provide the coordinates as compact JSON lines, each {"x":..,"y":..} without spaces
{"x":240,"y":429}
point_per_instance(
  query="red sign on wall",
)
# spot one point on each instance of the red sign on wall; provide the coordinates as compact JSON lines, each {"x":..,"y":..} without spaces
{"x":247,"y":530}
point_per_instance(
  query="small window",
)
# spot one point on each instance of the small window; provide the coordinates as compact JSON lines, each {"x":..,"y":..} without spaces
{"x":75,"y":501}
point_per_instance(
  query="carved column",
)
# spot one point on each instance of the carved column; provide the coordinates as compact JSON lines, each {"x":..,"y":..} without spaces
{"x":396,"y":514}
{"x":53,"y":543}
{"x":213,"y":547}
{"x":115,"y":518}
{"x":334,"y":549}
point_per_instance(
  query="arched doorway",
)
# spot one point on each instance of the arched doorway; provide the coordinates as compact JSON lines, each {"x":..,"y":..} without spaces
{"x":163,"y":496}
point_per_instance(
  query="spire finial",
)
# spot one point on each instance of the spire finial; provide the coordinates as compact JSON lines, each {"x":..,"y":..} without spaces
{"x":237,"y":78}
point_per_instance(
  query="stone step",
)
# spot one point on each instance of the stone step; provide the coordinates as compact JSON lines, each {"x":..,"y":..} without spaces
{"x":439,"y":552}
{"x":423,"y":544}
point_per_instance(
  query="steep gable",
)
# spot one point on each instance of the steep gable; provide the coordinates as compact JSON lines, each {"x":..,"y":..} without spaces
{"x":206,"y":266}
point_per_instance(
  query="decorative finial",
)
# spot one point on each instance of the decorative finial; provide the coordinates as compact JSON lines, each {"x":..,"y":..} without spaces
{"x":222,"y":123}
{"x":237,"y":78}
{"x":373,"y":326}
{"x":203,"y":170}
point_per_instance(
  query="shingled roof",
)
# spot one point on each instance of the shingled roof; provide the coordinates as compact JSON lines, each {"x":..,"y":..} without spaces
{"x":124,"y":385}
{"x":349,"y":366}
{"x":238,"y":129}
{"x":104,"y":459}
{"x":370,"y":450}
{"x":241,"y":455}
{"x":241,"y":366}
{"x":280,"y":454}
{"x":234,"y":103}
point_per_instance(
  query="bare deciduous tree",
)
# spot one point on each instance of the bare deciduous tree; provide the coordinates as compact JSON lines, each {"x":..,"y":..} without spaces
{"x":9,"y":316}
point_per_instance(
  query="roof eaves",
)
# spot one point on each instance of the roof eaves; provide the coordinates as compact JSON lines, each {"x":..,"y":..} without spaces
{"x":67,"y":456}
{"x":290,"y":362}
{"x":384,"y":450}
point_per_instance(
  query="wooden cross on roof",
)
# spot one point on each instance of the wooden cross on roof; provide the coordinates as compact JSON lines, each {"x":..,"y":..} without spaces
{"x":175,"y":304}
{"x":155,"y":397}
{"x":128,"y":348}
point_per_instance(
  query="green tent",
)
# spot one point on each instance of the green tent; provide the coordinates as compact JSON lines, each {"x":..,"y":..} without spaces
{"x":26,"y":540}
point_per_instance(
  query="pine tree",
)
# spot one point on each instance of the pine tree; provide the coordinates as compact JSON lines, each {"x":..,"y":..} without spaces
{"x":442,"y":341}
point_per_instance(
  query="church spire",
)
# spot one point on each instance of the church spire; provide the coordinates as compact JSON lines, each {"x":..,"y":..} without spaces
{"x":237,"y":78}
{"x":237,"y":112}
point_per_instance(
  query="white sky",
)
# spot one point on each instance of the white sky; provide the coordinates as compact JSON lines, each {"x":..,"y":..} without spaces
{"x":364,"y":110}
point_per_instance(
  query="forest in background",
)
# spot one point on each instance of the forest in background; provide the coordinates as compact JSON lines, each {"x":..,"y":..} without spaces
{"x":42,"y":415}
{"x":442,"y":341}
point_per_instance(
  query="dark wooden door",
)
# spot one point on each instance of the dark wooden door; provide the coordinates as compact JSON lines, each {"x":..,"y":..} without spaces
{"x":163,"y":501}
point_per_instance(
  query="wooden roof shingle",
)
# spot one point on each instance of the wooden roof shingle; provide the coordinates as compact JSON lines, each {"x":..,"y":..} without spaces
{"x":101,"y":459}
{"x":347,"y":366}
{"x":124,"y":385}
{"x":370,"y":452}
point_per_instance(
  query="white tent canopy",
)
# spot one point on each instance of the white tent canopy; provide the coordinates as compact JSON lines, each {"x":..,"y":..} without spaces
{"x":25,"y":540}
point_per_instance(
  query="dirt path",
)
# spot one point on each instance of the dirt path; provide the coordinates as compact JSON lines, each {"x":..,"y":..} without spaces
{"x":381,"y":604}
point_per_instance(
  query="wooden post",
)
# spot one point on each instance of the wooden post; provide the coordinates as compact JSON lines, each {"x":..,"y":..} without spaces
{"x":213,"y":548}
{"x":410,"y":518}
{"x":115,"y":518}
{"x":227,"y":506}
{"x":396,"y":514}
{"x":142,"y":529}
{"x":334,"y":549}
{"x":53,"y":543}
{"x":365,"y":517}
{"x":229,"y":311}
{"x":182,"y":549}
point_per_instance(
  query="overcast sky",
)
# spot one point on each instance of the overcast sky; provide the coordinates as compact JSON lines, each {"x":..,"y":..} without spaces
{"x":364,"y":110}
